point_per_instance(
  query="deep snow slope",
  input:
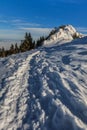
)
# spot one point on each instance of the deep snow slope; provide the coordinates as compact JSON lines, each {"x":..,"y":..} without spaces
{"x":45,"y":89}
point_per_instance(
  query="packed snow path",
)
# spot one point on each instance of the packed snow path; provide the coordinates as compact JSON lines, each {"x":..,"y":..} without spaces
{"x":45,"y":89}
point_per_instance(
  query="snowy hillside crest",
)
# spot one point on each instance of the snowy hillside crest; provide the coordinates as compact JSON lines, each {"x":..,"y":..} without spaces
{"x":63,"y":33}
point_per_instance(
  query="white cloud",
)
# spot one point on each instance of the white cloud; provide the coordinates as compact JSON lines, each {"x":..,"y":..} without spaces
{"x":3,"y":21}
{"x":26,"y":24}
{"x":37,"y":32}
{"x":17,"y":28}
{"x":82,"y":29}
{"x":37,"y":29}
{"x":10,"y":34}
{"x":18,"y":22}
{"x":19,"y":33}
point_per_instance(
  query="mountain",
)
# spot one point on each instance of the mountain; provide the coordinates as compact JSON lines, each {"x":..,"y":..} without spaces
{"x":46,"y":88}
{"x":62,"y":34}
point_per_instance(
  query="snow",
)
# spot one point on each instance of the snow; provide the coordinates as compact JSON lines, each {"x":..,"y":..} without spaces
{"x":63,"y":34}
{"x":45,"y":89}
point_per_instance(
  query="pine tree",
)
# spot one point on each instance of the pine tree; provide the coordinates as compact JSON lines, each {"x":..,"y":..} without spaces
{"x":16,"y":48}
{"x":40,"y":41}
{"x":28,"y":41}
{"x":27,"y":44}
{"x":2,"y":52}
{"x":12,"y":49}
{"x":33,"y":45}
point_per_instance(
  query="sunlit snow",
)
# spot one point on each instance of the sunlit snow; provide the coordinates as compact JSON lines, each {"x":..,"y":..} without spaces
{"x":45,"y":89}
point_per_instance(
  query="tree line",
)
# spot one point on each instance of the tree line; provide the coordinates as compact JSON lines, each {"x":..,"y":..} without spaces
{"x":27,"y":44}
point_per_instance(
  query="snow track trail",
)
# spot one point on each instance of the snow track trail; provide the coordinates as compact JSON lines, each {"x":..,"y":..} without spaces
{"x":13,"y":105}
{"x":45,"y":89}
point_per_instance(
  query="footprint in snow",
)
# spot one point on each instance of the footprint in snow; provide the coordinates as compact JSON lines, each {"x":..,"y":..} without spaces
{"x":66,"y":60}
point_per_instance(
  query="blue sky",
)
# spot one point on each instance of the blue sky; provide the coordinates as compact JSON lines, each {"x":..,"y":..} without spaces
{"x":40,"y":16}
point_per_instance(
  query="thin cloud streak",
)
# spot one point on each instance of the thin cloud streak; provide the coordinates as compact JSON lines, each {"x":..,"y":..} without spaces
{"x":37,"y":32}
{"x":36,"y":29}
{"x":26,"y":24}
{"x":18,"y":27}
{"x":19,"y":33}
{"x":82,"y":29}
{"x":19,"y":22}
{"x":3,"y":21}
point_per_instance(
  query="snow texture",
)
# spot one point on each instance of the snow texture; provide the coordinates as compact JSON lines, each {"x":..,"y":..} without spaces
{"x":45,"y":89}
{"x":63,"y":34}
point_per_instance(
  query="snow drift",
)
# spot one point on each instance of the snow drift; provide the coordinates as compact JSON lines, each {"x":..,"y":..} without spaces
{"x":45,"y":89}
